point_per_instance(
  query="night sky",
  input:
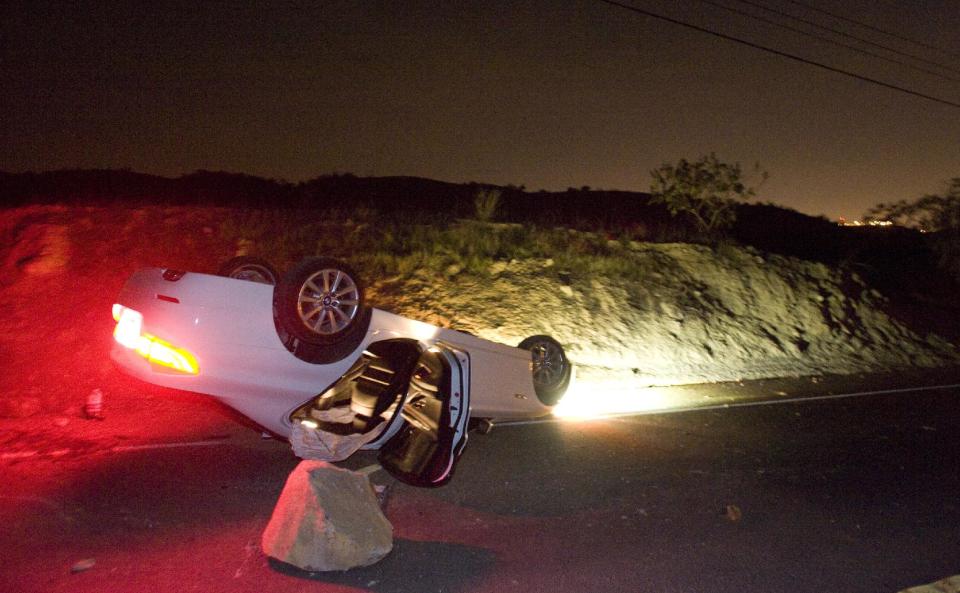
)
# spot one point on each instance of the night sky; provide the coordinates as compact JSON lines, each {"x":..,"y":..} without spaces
{"x":546,"y":94}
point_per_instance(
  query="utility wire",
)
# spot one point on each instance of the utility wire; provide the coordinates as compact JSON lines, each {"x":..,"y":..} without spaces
{"x":877,"y":29}
{"x":842,"y":34}
{"x":778,"y":52}
{"x":828,"y":40}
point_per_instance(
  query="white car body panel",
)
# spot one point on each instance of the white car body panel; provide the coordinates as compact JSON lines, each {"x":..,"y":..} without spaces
{"x":228,"y":326}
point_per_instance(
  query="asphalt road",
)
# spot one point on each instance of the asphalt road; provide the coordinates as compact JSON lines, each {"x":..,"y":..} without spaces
{"x":849,"y":494}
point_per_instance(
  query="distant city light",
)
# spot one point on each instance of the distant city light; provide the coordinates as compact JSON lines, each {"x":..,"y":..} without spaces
{"x":878,"y":223}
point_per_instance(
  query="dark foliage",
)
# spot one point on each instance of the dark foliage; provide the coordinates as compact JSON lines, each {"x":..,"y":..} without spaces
{"x":938,"y":214}
{"x":706,"y":192}
{"x":101,"y":186}
{"x":583,"y":208}
{"x":885,"y":256}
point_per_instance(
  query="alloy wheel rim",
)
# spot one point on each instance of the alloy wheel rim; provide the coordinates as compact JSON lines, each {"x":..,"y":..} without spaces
{"x":328,"y":301}
{"x":548,"y":364}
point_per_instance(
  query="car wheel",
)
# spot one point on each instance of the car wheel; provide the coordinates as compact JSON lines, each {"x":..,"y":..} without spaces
{"x":551,"y":369}
{"x":249,"y":268}
{"x":319,"y":302}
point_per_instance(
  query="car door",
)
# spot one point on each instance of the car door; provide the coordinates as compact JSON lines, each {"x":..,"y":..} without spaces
{"x":435,"y":416}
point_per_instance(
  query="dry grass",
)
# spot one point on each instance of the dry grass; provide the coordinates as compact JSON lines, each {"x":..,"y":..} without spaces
{"x":389,"y":246}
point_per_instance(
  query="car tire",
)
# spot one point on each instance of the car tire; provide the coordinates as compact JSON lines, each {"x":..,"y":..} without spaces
{"x":250,"y":268}
{"x":551,"y":368}
{"x":319,"y":310}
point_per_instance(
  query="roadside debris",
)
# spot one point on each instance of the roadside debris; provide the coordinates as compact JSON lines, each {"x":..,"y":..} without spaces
{"x":326,"y":519}
{"x":83,"y":565}
{"x":93,"y":409}
{"x":733,"y":513}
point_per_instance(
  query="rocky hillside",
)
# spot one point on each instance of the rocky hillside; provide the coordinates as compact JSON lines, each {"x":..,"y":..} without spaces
{"x":692,"y":314}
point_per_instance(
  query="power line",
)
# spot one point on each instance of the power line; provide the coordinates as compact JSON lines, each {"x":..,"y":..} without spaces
{"x":828,"y":40}
{"x":877,"y":29}
{"x":842,"y":34}
{"x":778,"y":52}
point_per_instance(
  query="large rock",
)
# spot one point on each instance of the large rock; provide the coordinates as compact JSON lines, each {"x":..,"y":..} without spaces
{"x":327,"y":518}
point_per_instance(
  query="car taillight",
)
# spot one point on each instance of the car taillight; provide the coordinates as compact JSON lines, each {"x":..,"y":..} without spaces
{"x":129,"y":333}
{"x":167,"y":355}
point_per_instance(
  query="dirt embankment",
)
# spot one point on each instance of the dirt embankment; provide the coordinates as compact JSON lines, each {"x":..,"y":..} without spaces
{"x":695,"y":314}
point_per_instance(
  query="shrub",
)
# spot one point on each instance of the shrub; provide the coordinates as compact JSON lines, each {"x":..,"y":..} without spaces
{"x":485,"y":204}
{"x":705,"y":191}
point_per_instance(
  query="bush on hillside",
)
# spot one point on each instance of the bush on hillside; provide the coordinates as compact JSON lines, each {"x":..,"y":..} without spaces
{"x":705,"y":191}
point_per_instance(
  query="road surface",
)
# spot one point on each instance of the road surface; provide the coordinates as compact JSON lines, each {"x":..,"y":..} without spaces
{"x":849,"y":494}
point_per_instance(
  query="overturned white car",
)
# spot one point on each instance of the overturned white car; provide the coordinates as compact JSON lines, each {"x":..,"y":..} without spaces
{"x":307,"y":359}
